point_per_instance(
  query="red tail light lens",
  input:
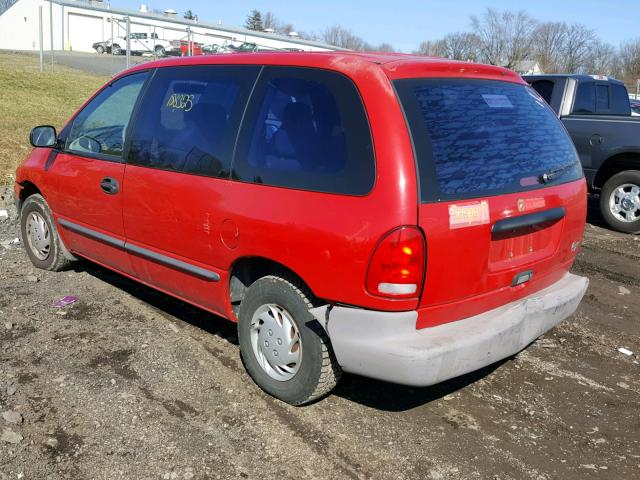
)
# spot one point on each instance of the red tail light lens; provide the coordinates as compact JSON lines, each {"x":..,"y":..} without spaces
{"x":396,"y":269}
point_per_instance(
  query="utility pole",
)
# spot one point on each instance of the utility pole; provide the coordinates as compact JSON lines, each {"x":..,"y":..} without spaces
{"x":128,"y":41}
{"x":51,"y":30}
{"x":41,"y":40}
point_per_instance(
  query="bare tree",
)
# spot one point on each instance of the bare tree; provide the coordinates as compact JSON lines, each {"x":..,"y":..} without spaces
{"x":460,"y":46}
{"x":548,"y":41}
{"x":601,"y":59}
{"x":518,"y":28}
{"x":430,"y":48}
{"x":506,"y":38}
{"x":269,"y":21}
{"x":576,"y":48}
{"x":630,"y":59}
{"x":385,"y":47}
{"x":344,"y":38}
{"x":491,"y":33}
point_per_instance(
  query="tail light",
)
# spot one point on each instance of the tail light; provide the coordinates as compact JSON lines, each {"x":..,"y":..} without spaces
{"x":396,"y":269}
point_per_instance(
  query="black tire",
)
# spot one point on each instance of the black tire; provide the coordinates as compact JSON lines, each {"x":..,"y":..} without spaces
{"x":160,"y":51}
{"x":100,"y":49}
{"x":115,"y":49}
{"x":318,"y":372}
{"x":628,"y":177}
{"x":55,"y":260}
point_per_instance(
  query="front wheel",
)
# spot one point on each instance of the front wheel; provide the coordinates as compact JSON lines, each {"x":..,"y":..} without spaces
{"x":40,"y":237}
{"x":160,"y":52}
{"x":116,"y":50}
{"x":620,"y":201}
{"x":99,"y":49}
{"x":283,"y":347}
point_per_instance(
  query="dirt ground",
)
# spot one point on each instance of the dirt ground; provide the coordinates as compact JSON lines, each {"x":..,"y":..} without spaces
{"x":127,"y":383}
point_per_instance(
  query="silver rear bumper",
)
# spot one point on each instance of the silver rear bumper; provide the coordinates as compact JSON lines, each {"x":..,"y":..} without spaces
{"x":387,"y":346}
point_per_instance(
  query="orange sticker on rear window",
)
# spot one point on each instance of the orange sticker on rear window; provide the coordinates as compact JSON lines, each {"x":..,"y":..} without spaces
{"x":468,"y":214}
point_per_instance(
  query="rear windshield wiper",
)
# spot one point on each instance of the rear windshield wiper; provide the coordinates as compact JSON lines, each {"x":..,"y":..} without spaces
{"x":551,"y":175}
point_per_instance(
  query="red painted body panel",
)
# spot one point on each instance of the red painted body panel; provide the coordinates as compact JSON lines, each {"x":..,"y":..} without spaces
{"x":470,"y":271}
{"x":326,"y":239}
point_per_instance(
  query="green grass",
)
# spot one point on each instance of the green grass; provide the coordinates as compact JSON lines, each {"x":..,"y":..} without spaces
{"x":29,"y":98}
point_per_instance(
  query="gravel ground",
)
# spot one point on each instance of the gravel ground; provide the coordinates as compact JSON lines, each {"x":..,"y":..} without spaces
{"x":127,"y":383}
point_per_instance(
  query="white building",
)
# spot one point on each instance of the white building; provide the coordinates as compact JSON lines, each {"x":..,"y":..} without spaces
{"x":528,"y":67}
{"x":77,"y":25}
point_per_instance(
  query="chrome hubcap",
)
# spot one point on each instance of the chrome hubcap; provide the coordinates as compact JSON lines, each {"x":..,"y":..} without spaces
{"x":624,"y":203}
{"x":38,"y":236}
{"x":276,"y":342}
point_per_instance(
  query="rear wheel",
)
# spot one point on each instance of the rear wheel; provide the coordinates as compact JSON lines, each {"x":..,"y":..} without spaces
{"x":40,"y":237}
{"x":116,"y":50}
{"x":283,"y":347}
{"x":620,"y":201}
{"x":100,"y":49}
{"x":160,"y":52}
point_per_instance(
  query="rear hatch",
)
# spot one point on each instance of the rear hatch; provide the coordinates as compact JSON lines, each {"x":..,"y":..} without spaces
{"x":503,"y":199}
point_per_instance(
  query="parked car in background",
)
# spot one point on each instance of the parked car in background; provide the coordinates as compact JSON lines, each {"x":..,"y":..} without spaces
{"x":635,"y":108}
{"x":596,"y":111}
{"x":249,"y":185}
{"x":139,"y":44}
{"x":243,"y":47}
{"x":232,"y":48}
{"x":102,"y":47}
{"x":180,"y":48}
{"x":212,"y":48}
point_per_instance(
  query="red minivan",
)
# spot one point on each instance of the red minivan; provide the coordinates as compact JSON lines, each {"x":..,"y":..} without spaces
{"x":394,"y":216}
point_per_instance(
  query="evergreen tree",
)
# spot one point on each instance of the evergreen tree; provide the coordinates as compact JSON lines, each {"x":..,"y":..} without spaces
{"x":189,"y":15}
{"x":254,"y":21}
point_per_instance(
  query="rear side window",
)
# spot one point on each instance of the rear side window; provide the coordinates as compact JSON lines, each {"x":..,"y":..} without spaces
{"x":602,"y":98}
{"x":190,"y":117}
{"x":306,"y":129}
{"x":544,"y":88}
{"x":100,"y":128}
{"x":476,"y":138}
{"x":620,"y":104}
{"x":585,"y":102}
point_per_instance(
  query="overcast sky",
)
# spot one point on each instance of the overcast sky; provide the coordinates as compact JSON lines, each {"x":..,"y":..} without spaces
{"x":405,"y":23}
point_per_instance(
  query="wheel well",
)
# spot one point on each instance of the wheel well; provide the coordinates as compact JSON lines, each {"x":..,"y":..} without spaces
{"x":616,"y":164}
{"x":27,"y":190}
{"x":247,"y":270}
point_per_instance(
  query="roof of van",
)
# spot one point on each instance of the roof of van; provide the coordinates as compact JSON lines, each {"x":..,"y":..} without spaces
{"x":395,"y":65}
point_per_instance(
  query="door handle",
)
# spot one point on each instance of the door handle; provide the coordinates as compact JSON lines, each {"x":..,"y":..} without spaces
{"x":109,"y":185}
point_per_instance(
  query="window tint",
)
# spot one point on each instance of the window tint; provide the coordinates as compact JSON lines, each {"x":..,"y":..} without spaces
{"x":585,"y":102}
{"x":602,"y":98}
{"x":476,"y":138}
{"x":544,"y":88}
{"x":99,"y":129}
{"x":620,"y":100}
{"x":190,"y":117}
{"x":306,"y":129}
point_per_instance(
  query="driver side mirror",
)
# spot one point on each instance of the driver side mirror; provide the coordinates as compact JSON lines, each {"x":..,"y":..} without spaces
{"x":43,"y":136}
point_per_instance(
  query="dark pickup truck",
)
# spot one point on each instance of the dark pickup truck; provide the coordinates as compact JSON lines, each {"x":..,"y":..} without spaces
{"x":597,"y":113}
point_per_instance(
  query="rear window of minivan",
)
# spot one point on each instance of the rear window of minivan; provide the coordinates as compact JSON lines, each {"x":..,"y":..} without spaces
{"x":476,"y":138}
